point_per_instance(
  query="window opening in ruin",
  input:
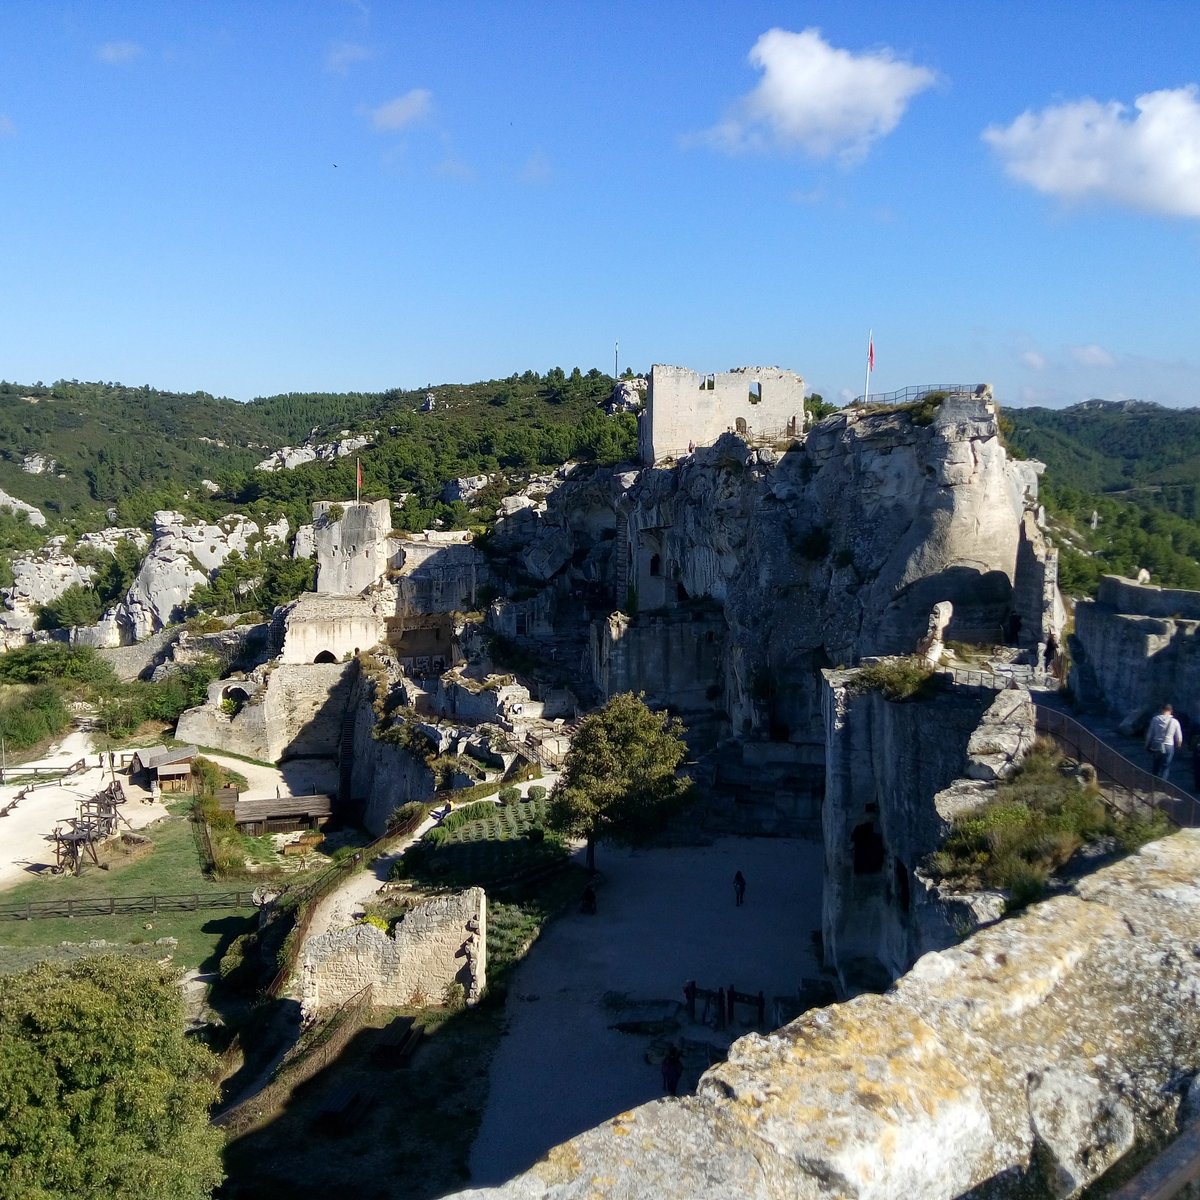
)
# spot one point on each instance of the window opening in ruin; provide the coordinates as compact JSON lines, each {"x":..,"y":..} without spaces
{"x":710,"y":637}
{"x":755,"y":393}
{"x":326,"y":656}
{"x":900,"y":879}
{"x":655,"y":565}
{"x":868,"y":849}
{"x":740,"y":424}
{"x":708,"y":383}
{"x":521,"y":624}
{"x":681,"y":593}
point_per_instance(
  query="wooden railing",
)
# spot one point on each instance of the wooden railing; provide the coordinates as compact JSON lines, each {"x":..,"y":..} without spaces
{"x":111,"y":906}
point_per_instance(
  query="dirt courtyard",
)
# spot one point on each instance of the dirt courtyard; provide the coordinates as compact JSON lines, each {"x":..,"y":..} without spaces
{"x":664,"y":916}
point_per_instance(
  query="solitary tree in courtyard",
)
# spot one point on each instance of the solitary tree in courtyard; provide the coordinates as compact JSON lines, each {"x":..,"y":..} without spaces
{"x":618,"y":781}
{"x":101,"y":1094}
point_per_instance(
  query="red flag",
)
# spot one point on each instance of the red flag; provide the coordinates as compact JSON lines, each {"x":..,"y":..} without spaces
{"x":871,"y":354}
{"x":359,"y":462}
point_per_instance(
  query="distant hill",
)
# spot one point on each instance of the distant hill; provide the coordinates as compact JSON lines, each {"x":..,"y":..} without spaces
{"x":1110,"y":445}
{"x":138,"y":449}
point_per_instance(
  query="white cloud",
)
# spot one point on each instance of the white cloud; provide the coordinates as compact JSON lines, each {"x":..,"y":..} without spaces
{"x":8,"y":127}
{"x":118,"y":54}
{"x":537,"y":169}
{"x":1148,"y":160}
{"x":1033,"y":360}
{"x":341,"y":56}
{"x":404,"y":110}
{"x":819,"y":99}
{"x":1092,"y":356}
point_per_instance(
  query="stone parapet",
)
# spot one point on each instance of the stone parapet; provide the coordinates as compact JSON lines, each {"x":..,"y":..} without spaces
{"x":1024,"y":1061}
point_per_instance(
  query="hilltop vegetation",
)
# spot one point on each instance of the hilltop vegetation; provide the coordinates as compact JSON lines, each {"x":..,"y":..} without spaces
{"x":1135,"y":465}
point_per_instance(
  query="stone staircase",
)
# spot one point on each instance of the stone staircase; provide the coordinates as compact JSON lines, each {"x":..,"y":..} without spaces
{"x":345,"y":753}
{"x":621,"y":563}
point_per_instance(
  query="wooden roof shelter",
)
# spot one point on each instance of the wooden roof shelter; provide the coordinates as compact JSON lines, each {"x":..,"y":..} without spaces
{"x":280,"y":814}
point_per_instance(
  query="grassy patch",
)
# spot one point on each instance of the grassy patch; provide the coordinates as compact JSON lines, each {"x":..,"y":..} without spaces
{"x":1038,"y":819}
{"x":172,"y":868}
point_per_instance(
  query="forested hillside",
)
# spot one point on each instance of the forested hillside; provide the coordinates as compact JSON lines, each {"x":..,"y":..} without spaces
{"x":1132,"y":464}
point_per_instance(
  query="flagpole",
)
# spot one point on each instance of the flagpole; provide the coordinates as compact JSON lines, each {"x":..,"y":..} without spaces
{"x":357,"y":479}
{"x":867,"y":381}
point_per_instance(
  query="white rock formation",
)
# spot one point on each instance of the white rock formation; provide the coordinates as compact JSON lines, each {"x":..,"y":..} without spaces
{"x":41,"y":576}
{"x":36,"y":516}
{"x":182,"y":556}
{"x":38,"y":464}
{"x":289,"y":457}
{"x":465,"y":489}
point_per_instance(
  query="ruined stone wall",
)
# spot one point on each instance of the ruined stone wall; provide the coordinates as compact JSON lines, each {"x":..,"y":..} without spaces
{"x":294,"y":711}
{"x":355,"y":550}
{"x":1024,"y":1061}
{"x":438,"y":573}
{"x":331,"y":627}
{"x":1036,"y":598}
{"x":1129,"y":663}
{"x":686,"y":409}
{"x":440,"y":942}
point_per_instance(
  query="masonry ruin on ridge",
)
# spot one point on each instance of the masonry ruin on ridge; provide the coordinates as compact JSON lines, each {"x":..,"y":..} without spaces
{"x":685,"y":409}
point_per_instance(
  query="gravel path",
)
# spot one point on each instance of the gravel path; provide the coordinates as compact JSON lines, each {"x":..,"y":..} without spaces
{"x":665,"y":916}
{"x":23,"y":832}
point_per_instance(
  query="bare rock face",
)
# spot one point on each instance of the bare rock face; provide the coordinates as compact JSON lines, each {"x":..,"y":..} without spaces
{"x":353,"y":545}
{"x":36,"y":516}
{"x":38,"y":464}
{"x":290,"y":457}
{"x":41,"y":576}
{"x":1023,"y":1061}
{"x":181,"y":557}
{"x":465,"y":489}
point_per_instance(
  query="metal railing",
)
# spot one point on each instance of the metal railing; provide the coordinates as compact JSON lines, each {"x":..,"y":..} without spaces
{"x":1127,"y":779}
{"x":108,"y":906}
{"x":918,"y":392}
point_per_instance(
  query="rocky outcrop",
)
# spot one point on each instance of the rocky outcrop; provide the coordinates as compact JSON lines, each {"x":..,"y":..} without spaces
{"x":436,"y":945}
{"x":35,"y":515}
{"x":182,"y":556}
{"x":38,"y":464}
{"x":1024,"y":1061}
{"x":896,"y":774}
{"x":1136,"y":647}
{"x":290,"y":457}
{"x":41,"y":576}
{"x":465,"y":489}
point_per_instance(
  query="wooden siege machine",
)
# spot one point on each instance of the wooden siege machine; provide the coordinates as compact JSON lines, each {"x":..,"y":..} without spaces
{"x":75,"y":839}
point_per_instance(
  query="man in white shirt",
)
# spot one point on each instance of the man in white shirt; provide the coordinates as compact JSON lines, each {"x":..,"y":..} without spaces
{"x":1163,"y":738}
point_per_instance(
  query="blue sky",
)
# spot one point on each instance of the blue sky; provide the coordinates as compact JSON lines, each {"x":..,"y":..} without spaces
{"x":351,"y":194}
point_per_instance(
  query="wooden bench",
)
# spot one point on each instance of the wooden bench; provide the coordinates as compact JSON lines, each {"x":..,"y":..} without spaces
{"x":398,"y":1042}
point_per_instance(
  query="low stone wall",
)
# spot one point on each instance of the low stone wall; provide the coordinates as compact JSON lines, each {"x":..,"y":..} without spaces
{"x":1024,"y":1061}
{"x":440,"y":942}
{"x":1147,"y":600}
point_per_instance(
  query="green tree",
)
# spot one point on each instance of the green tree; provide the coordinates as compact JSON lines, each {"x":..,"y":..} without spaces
{"x":103,"y":1096}
{"x":619,"y":780}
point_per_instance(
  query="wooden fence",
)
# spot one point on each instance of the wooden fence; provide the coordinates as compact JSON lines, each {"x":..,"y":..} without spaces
{"x":312,"y":1056}
{"x":112,"y":906}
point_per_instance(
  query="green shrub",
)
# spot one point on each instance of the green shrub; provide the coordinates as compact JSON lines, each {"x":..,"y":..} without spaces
{"x":897,"y":678}
{"x":454,"y":995}
{"x":376,"y":920}
{"x":536,"y":793}
{"x":509,"y":794}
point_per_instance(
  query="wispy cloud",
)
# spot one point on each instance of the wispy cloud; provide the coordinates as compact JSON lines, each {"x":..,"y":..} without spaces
{"x":401,"y":112}
{"x":536,"y":169}
{"x":1033,"y":360}
{"x":1147,"y":158}
{"x":341,"y":56}
{"x":1092,"y":356}
{"x":819,"y":99}
{"x":8,"y":127}
{"x":118,"y":54}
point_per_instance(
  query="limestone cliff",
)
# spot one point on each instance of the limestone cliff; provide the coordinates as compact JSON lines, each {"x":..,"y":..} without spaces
{"x":1024,"y":1061}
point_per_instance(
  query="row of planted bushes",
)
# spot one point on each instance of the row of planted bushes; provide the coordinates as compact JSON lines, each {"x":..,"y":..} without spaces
{"x":33,"y":715}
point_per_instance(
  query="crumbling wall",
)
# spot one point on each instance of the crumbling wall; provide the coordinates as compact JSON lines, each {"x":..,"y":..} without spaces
{"x":355,"y":549}
{"x":438,"y":943}
{"x":685,"y":409}
{"x":322,"y":628}
{"x":1135,"y":648}
{"x":1024,"y":1061}
{"x":438,"y":572}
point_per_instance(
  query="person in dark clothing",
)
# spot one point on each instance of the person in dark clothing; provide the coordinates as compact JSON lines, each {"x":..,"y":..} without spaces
{"x":672,"y":1070}
{"x":587,"y":903}
{"x":739,"y":888}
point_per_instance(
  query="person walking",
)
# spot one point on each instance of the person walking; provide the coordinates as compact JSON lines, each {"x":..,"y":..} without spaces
{"x":672,"y":1070}
{"x":1163,"y":738}
{"x":739,"y":888}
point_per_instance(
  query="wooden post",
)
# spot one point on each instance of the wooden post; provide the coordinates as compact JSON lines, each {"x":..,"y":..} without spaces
{"x":720,"y":1008}
{"x":732,"y":1011}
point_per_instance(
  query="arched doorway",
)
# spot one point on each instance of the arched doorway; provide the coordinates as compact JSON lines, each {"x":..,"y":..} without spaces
{"x":326,"y":656}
